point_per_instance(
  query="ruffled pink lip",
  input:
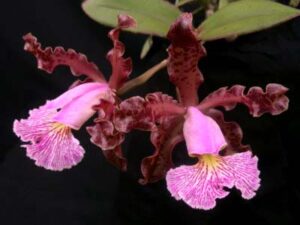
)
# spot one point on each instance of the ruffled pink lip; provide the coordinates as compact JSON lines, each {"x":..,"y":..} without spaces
{"x":48,"y":128}
{"x":202,"y":184}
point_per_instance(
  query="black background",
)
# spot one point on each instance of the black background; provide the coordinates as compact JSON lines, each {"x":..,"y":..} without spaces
{"x":94,"y":192}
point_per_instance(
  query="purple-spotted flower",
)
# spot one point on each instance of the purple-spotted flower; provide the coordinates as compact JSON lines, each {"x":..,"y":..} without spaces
{"x":223,"y":160}
{"x":49,"y":127}
{"x":201,"y":184}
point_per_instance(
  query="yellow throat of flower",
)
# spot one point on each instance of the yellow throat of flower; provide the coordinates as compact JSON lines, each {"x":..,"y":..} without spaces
{"x":210,"y":161}
{"x":60,"y":128}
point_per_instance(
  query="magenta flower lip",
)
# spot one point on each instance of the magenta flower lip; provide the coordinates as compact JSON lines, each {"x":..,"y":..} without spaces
{"x":48,"y":128}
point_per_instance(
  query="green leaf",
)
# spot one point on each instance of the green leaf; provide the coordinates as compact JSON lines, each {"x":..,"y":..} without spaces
{"x":152,"y":16}
{"x":222,"y":3}
{"x":243,"y":17}
{"x":146,"y":47}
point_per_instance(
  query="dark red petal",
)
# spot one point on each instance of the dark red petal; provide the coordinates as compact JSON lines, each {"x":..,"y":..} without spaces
{"x":48,"y":59}
{"x":184,"y":53}
{"x":162,"y":106}
{"x":273,"y":100}
{"x":132,"y":113}
{"x":104,"y":135}
{"x":164,"y":139}
{"x":232,"y":132}
{"x":121,"y":68}
{"x":116,"y":158}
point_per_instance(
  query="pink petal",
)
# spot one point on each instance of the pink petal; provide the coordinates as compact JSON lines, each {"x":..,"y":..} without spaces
{"x":75,"y":93}
{"x":200,"y":185}
{"x":52,"y":145}
{"x":246,"y":173}
{"x":79,"y":110}
{"x":202,"y":134}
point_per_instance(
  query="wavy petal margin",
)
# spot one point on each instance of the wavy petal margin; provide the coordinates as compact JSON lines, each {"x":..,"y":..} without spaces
{"x":184,"y":53}
{"x":202,"y":184}
{"x":48,"y":59}
{"x":165,"y":137}
{"x":273,"y":100}
{"x":104,"y":135}
{"x":116,"y":158}
{"x":121,"y":67}
{"x":132,"y":113}
{"x":232,"y":132}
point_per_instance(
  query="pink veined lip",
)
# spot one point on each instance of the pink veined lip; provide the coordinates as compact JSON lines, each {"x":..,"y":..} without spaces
{"x":48,"y":128}
{"x":201,"y":184}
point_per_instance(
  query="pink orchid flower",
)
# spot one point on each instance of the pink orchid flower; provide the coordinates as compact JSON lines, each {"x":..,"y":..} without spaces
{"x":201,"y":184}
{"x":203,"y":128}
{"x":223,"y":160}
{"x":48,"y":128}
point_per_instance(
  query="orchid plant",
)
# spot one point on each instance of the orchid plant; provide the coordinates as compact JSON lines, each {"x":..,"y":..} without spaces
{"x":222,"y":160}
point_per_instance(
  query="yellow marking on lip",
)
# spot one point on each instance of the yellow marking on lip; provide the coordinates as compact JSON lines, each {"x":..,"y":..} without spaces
{"x":61,"y":128}
{"x":211,"y":161}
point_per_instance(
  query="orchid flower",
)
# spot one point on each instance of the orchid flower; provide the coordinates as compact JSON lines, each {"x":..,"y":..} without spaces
{"x":223,"y":161}
{"x":201,"y":184}
{"x":48,"y":128}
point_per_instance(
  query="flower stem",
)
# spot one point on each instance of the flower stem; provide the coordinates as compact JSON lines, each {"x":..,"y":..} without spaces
{"x":142,"y":78}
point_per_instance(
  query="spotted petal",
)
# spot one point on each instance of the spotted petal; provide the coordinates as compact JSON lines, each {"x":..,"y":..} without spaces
{"x":184,"y":54}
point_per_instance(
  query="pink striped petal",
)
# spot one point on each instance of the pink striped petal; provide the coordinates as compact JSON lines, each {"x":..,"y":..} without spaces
{"x":200,"y":185}
{"x":202,"y":134}
{"x":74,"y":93}
{"x":77,"y":112}
{"x":52,"y":144}
{"x":48,"y":128}
{"x":246,"y":173}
